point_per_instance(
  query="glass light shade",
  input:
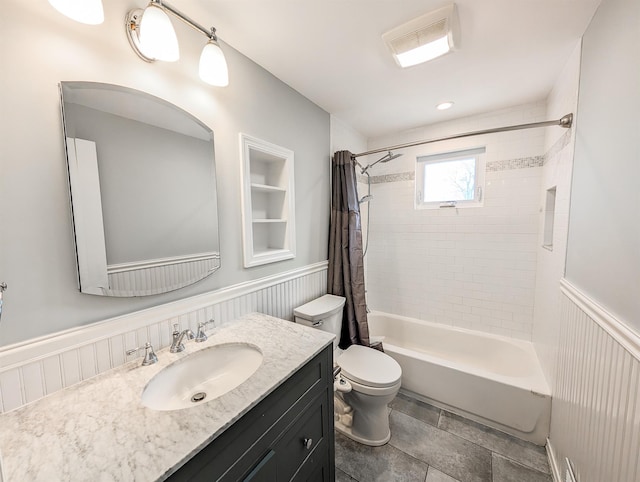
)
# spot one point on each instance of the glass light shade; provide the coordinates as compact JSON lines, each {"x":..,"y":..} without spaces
{"x":83,"y":11}
{"x":424,"y":53}
{"x":213,"y":66}
{"x":157,"y":37}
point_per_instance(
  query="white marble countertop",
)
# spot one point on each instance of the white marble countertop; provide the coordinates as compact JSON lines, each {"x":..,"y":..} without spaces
{"x":99,"y":431}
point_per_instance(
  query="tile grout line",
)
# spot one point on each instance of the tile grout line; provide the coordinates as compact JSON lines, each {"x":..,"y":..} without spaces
{"x":491,"y":452}
{"x":407,"y":454}
{"x":415,"y":458}
{"x":441,"y":417}
{"x":487,"y":448}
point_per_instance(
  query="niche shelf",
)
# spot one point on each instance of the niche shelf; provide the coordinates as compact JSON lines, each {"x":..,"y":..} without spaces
{"x":268,"y":202}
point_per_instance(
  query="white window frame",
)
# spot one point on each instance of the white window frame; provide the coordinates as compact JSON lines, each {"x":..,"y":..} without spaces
{"x":478,"y":153}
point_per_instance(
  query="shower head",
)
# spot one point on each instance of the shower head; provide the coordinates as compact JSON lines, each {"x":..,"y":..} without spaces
{"x":390,"y":157}
{"x":365,"y":199}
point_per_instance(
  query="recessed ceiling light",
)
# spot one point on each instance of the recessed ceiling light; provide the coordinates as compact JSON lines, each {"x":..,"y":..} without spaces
{"x":444,"y":105}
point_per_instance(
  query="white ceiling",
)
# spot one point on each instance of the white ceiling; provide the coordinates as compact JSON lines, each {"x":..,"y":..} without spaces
{"x":331,"y":51}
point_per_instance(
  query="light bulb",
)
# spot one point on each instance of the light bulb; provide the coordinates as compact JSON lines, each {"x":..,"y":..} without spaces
{"x":157,"y":37}
{"x":83,"y":11}
{"x":213,"y":66}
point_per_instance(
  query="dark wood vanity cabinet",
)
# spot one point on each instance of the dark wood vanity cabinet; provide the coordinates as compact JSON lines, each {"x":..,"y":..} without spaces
{"x":287,"y":436}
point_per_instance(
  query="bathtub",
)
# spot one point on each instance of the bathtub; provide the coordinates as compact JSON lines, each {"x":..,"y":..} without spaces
{"x":491,"y":379}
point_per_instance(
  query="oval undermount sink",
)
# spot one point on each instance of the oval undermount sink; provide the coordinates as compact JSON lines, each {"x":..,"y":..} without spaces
{"x":202,"y":376}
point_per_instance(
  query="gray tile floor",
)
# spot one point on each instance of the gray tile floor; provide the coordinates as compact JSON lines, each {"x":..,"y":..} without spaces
{"x":431,"y":445}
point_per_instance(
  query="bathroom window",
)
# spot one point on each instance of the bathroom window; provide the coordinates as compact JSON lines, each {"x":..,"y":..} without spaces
{"x":452,"y":179}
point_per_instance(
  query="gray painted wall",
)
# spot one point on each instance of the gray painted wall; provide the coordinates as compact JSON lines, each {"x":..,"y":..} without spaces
{"x":603,"y":254}
{"x":157,"y":187}
{"x":37,"y":259}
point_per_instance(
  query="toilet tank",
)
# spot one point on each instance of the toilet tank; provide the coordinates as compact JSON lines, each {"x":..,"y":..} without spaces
{"x":324,"y":313}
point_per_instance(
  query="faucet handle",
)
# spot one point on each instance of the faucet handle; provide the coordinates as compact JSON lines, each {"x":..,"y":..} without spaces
{"x":149,"y":356}
{"x":202,"y":336}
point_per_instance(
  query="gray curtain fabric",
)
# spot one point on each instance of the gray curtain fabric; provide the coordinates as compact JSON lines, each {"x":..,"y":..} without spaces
{"x":346,"y":265}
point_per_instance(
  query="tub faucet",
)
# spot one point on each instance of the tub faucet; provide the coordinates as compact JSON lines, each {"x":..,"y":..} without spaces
{"x":177,"y":345}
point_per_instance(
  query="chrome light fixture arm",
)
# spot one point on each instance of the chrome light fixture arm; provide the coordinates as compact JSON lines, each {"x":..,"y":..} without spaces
{"x":132,"y":26}
{"x":186,"y":19}
{"x":134,"y":17}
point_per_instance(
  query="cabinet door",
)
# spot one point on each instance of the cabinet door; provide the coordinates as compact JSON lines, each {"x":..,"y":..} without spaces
{"x":265,"y":471}
{"x":285,"y":437}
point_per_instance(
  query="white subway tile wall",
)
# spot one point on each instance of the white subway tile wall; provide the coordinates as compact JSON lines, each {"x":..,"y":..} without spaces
{"x":36,"y":378}
{"x":557,"y":170}
{"x":470,"y":267}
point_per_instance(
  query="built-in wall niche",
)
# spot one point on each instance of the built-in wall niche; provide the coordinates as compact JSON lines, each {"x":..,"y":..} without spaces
{"x":549,"y":216}
{"x":268,"y":202}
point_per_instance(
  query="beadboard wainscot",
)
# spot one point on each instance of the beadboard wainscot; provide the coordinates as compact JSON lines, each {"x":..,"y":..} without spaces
{"x":42,"y":366}
{"x":595,"y":422}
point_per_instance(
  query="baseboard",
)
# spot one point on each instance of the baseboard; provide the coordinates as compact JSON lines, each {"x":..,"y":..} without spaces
{"x":556,"y":471}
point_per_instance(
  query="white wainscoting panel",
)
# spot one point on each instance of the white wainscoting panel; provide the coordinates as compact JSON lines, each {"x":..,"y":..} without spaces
{"x":31,"y":370}
{"x":596,"y":406}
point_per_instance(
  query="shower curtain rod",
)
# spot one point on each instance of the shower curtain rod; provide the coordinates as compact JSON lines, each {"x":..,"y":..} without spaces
{"x":565,"y":121}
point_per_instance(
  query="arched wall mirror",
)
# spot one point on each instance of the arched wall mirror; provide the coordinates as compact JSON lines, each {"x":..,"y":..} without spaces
{"x":143,"y":191}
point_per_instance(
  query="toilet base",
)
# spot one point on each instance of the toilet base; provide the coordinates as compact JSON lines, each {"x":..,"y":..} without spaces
{"x":348,"y":432}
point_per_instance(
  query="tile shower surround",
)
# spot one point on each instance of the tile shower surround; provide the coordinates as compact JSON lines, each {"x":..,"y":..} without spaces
{"x":469,"y":267}
{"x":61,"y":364}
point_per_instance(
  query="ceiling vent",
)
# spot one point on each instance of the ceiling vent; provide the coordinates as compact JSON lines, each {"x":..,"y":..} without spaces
{"x":424,"y":38}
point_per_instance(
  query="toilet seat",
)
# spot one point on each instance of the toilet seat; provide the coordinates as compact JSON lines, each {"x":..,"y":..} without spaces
{"x":369,"y":368}
{"x":374,"y":391}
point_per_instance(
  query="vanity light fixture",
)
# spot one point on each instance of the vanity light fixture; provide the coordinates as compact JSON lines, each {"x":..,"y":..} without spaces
{"x":163,"y":45}
{"x":424,"y":38}
{"x":213,"y":66}
{"x":157,"y":37}
{"x":83,"y":11}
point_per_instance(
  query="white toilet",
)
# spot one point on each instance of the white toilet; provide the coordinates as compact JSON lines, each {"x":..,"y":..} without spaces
{"x":368,"y":380}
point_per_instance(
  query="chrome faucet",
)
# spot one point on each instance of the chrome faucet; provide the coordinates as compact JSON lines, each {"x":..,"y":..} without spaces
{"x":177,"y":345}
{"x":202,"y":336}
{"x":149,"y":355}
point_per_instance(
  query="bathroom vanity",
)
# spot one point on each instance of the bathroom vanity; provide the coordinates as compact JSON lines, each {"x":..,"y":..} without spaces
{"x":277,"y":425}
{"x":287,"y":436}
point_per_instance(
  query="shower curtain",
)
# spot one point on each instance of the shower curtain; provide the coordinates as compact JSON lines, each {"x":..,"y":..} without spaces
{"x":346,"y":265}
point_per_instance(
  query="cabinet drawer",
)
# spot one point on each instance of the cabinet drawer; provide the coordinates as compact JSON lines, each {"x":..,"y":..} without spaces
{"x":303,"y":446}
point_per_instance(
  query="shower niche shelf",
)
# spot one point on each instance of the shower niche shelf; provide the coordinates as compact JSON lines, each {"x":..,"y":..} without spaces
{"x":268,"y":202}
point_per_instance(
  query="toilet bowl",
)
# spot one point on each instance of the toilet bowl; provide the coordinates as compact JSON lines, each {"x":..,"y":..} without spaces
{"x":368,"y":379}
